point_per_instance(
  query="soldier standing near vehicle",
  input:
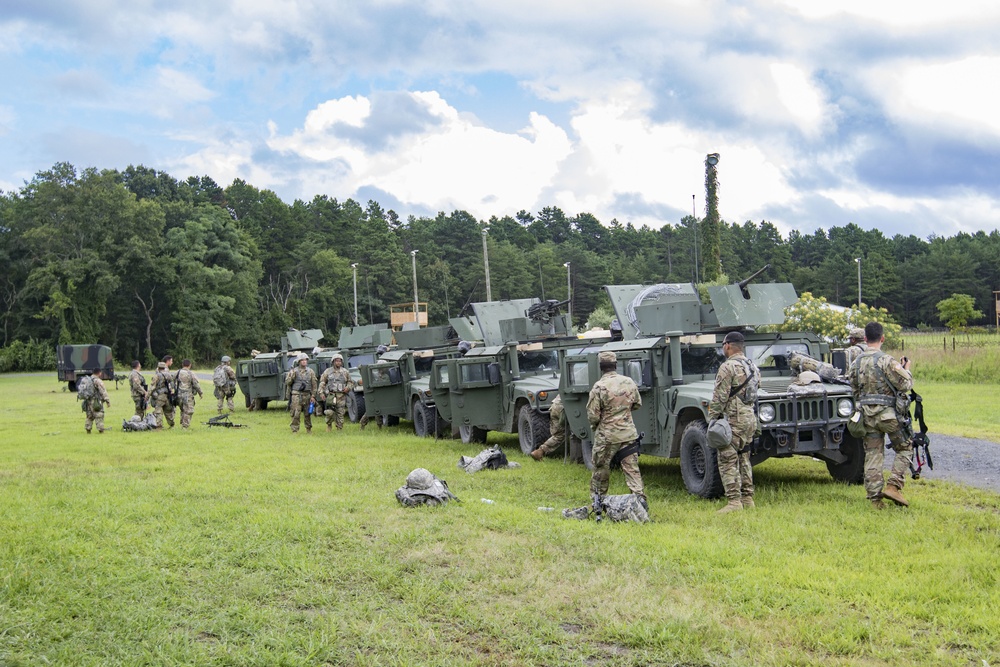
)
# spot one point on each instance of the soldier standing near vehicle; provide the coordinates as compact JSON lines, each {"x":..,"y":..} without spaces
{"x":880,"y":385}
{"x":856,"y":343}
{"x":302,"y":382}
{"x":139,"y":389}
{"x":333,"y":387}
{"x":734,"y":397}
{"x":379,"y":351}
{"x":162,"y":393}
{"x":187,"y":387}
{"x":224,"y":379}
{"x":557,"y":430}
{"x":609,"y":410}
{"x":94,"y":405}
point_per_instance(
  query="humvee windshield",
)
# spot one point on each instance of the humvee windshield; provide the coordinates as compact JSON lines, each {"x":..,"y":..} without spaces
{"x":422,"y":365}
{"x":538,"y":360}
{"x":774,"y":355}
{"x":360,"y":360}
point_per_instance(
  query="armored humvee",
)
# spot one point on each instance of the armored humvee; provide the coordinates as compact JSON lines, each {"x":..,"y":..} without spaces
{"x":262,"y":378}
{"x":508,"y":384}
{"x":672,"y":350}
{"x":358,"y":345}
{"x":74,"y":361}
{"x":398,"y":384}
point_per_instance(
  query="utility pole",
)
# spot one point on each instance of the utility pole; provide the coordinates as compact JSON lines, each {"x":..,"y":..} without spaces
{"x":486,"y":264}
{"x":858,"y":260}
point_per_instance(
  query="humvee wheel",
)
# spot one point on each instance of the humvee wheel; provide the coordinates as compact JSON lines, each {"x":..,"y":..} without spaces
{"x":72,"y":386}
{"x":472,"y":434}
{"x":390,"y":420}
{"x":851,"y":471}
{"x":259,"y":404}
{"x":419,"y":420}
{"x":699,"y":462}
{"x":532,"y":429}
{"x":248,"y":402}
{"x":355,"y":406}
{"x":587,"y":448}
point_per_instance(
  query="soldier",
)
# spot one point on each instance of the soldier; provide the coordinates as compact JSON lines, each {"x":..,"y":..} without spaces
{"x":333,"y":387}
{"x":94,"y":406}
{"x":557,"y":430}
{"x":162,"y":393}
{"x":735,"y":394}
{"x":609,"y":411}
{"x":302,"y":382}
{"x":878,"y":380}
{"x":224,"y":379}
{"x":140,"y":391}
{"x":379,"y":351}
{"x":856,"y":345}
{"x":187,"y":387}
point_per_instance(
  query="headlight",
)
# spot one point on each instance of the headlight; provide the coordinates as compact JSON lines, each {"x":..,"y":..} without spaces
{"x":542,"y":395}
{"x":845,"y":407}
{"x":766,"y":412}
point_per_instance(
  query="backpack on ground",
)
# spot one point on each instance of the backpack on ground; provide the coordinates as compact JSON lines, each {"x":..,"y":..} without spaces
{"x":85,"y":388}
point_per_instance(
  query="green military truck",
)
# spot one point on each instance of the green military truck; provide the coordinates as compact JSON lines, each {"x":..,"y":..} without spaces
{"x":672,"y":350}
{"x":509,"y":384}
{"x":397,"y":386}
{"x":359,"y":345}
{"x":75,"y":361}
{"x":262,"y":378}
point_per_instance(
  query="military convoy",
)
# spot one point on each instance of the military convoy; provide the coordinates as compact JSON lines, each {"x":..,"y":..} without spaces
{"x":671,"y":348}
{"x":75,"y":361}
{"x":262,"y":378}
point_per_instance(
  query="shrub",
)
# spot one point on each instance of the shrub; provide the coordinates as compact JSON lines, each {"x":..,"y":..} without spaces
{"x":19,"y":357}
{"x":814,"y":314}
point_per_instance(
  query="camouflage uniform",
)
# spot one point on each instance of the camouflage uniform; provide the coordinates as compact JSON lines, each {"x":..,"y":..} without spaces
{"x":855,"y":351}
{"x":187,"y":387}
{"x":333,"y":387}
{"x":734,"y":460}
{"x":302,"y":381}
{"x":557,"y":429}
{"x":94,"y":407}
{"x":226,"y":394}
{"x":137,"y":385}
{"x":874,"y":376}
{"x":163,"y":386}
{"x":609,"y":410}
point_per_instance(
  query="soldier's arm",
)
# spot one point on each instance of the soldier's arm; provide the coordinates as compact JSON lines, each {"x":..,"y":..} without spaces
{"x":594,"y":407}
{"x":324,"y":381}
{"x":901,"y":378}
{"x":723,"y":380}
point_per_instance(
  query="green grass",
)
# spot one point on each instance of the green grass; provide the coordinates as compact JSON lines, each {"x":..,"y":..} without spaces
{"x":256,"y":547}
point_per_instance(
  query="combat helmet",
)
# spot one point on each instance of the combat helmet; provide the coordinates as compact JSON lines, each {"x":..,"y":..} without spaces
{"x":226,"y":359}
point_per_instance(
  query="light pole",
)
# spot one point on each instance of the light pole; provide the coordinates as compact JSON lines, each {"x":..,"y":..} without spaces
{"x":486,"y":263}
{"x":694,"y":227}
{"x":354,"y":268}
{"x":416,"y":312}
{"x":569,"y":292}
{"x":858,"y":260}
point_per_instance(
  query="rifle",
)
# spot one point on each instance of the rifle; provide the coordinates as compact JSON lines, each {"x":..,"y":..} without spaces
{"x":224,"y":421}
{"x":598,"y":506}
{"x":118,"y":378}
{"x":920,"y":439}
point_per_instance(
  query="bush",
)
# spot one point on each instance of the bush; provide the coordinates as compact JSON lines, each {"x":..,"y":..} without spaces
{"x":814,"y":314}
{"x":19,"y":357}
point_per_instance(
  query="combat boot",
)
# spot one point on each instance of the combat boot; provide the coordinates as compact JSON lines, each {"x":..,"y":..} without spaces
{"x":747,"y":502}
{"x":878,"y":504}
{"x":538,"y":455}
{"x":734,"y":505}
{"x":895,"y":494}
{"x":329,"y":429}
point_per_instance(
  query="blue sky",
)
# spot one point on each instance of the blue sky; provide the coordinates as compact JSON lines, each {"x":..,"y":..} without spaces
{"x":885,"y":114}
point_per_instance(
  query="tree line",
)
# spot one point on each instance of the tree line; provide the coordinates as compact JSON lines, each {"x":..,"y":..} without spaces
{"x":146,"y":263}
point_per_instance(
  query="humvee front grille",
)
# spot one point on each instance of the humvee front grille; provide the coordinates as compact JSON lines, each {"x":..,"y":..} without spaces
{"x":819,"y":409}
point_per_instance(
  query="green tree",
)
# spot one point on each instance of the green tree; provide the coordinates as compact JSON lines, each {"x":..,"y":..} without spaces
{"x":957,"y":310}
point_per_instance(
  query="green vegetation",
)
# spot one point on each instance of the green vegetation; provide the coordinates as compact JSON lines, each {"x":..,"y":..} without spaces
{"x":252,"y":546}
{"x":957,"y":310}
{"x":813,"y":314}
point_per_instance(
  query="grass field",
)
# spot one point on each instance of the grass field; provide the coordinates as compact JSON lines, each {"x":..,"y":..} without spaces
{"x":256,"y":547}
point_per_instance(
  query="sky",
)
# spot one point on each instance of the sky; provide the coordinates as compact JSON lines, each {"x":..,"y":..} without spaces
{"x":875,"y":112}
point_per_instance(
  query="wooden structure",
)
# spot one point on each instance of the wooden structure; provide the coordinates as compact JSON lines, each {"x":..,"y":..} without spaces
{"x":402,"y":313}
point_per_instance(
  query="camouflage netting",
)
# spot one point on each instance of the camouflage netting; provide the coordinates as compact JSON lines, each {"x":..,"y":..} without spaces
{"x":626,"y":507}
{"x":491,"y":458}
{"x":139,"y":424}
{"x":423,"y":488}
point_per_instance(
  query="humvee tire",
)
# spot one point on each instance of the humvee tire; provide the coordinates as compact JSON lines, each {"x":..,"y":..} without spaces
{"x":587,"y":448}
{"x":532,"y":429}
{"x":420,"y":419}
{"x":851,"y":471}
{"x":355,"y":406}
{"x":699,"y":462}
{"x":472,"y":434}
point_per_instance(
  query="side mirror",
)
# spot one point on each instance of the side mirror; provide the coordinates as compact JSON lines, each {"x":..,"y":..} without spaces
{"x":493,"y":373}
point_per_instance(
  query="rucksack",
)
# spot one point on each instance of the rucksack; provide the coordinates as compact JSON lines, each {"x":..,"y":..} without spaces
{"x":85,"y":388}
{"x":220,"y":378}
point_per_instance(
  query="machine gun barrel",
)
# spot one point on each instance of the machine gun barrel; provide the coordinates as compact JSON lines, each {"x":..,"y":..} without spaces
{"x":746,"y":281}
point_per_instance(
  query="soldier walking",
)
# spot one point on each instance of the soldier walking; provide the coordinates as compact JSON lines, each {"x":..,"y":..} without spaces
{"x":139,"y":389}
{"x":880,"y":385}
{"x":94,"y":405}
{"x":302,"y":382}
{"x":224,"y":379}
{"x":162,"y":393}
{"x":333,"y":387}
{"x":187,"y":387}
{"x":609,"y":411}
{"x":734,"y":397}
{"x":557,"y":431}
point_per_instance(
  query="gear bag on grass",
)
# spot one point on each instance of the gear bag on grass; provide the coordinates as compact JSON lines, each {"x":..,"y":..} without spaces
{"x":491,"y":458}
{"x":423,"y":488}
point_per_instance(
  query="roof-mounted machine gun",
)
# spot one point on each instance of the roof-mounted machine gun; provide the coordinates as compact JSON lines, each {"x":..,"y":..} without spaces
{"x":544,"y":311}
{"x":746,"y":281}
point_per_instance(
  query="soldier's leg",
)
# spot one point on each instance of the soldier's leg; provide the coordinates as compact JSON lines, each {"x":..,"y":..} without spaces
{"x":556,"y":438}
{"x":221,"y":397}
{"x":746,"y":473}
{"x":296,"y":406}
{"x":903,"y":447}
{"x":874,"y":460}
{"x":158,"y":412}
{"x":729,"y":471}
{"x":364,"y":421}
{"x":339,"y":411}
{"x":89,"y":422}
{"x":633,"y":479}
{"x":230,"y":404}
{"x":139,"y":412}
{"x":602,"y":467}
{"x":306,"y":417}
{"x":187,"y":409}
{"x":99,"y":420}
{"x":168,"y":412}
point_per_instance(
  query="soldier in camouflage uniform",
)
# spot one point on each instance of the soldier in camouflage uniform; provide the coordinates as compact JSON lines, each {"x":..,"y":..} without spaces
{"x":609,"y":411}
{"x":557,"y":430}
{"x":137,"y":386}
{"x":226,"y":393}
{"x":333,"y":387}
{"x":162,"y":390}
{"x":734,"y":396}
{"x":876,"y":379}
{"x":856,"y":343}
{"x":94,"y":407}
{"x":187,"y":387}
{"x":302,"y":383}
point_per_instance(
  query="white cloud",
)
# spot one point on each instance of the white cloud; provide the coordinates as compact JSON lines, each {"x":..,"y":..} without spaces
{"x":800,"y":97}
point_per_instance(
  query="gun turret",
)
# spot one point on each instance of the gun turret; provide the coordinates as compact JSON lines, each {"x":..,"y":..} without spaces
{"x":746,"y":281}
{"x":544,"y":312}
